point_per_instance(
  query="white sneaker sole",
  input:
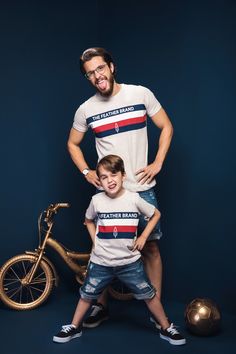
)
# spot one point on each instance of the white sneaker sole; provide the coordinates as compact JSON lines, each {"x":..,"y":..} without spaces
{"x":66,"y":339}
{"x":172,"y":341}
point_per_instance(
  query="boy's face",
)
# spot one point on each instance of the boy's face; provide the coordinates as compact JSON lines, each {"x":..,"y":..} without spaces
{"x":112,"y":183}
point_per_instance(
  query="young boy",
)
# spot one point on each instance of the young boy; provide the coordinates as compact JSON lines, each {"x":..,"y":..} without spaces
{"x":112,"y":219}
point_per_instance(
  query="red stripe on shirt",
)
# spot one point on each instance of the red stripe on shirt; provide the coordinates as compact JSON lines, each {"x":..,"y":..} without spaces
{"x":121,"y":123}
{"x":121,"y":228}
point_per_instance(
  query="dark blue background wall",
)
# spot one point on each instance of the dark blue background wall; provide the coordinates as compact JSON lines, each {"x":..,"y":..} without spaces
{"x":185,"y":52}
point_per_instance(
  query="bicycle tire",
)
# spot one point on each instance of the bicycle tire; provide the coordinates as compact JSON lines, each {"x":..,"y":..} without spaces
{"x":14,"y":293}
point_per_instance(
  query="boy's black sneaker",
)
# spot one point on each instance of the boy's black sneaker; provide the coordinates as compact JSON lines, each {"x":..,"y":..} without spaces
{"x":98,"y":315}
{"x":67,"y":333}
{"x":172,"y":335}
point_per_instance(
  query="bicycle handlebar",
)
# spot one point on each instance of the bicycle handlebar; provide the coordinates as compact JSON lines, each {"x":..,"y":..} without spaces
{"x":52,"y":209}
{"x":63,"y":205}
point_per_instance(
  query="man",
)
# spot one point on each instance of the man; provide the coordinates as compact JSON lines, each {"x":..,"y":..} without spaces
{"x":117,"y":114}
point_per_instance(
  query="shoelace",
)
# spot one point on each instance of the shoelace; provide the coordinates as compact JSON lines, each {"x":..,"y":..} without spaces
{"x":95,"y":310}
{"x":67,"y":328}
{"x":172,"y":329}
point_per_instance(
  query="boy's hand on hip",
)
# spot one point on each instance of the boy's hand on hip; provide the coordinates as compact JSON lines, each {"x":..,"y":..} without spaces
{"x":139,"y":243}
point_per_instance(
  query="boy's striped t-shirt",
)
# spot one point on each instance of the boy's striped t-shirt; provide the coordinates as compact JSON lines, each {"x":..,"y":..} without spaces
{"x":116,"y":227}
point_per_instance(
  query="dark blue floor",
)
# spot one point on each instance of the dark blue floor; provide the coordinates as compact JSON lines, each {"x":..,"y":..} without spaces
{"x":128,"y":330}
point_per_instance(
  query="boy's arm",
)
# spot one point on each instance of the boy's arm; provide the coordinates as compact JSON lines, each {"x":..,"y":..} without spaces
{"x":91,"y":228}
{"x":141,"y":240}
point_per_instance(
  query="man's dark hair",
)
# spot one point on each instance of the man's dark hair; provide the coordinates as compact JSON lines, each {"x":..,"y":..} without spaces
{"x":90,"y":53}
{"x":111,"y":163}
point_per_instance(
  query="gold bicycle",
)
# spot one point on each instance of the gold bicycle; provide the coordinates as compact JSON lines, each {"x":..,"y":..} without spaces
{"x":26,"y":280}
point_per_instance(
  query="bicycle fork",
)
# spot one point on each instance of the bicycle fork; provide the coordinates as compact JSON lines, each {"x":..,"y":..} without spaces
{"x":28,"y":278}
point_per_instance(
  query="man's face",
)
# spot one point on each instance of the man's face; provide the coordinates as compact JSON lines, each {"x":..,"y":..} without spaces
{"x":112,"y":183}
{"x":100,"y":75}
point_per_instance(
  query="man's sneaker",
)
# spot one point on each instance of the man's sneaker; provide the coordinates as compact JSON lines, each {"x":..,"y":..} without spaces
{"x":157,"y":324}
{"x":172,"y":335}
{"x":67,"y":333}
{"x":98,"y":315}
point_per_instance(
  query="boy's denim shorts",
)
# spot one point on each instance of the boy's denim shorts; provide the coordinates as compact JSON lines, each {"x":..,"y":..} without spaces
{"x":150,"y":197}
{"x":132,"y":275}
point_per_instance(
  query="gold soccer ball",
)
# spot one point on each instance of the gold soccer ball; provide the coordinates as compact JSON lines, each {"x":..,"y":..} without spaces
{"x":202,"y":317}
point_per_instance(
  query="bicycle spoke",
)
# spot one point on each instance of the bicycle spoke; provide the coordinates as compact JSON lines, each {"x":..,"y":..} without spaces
{"x":21,"y":295}
{"x":25,"y":268}
{"x":11,"y":281}
{"x":23,"y":265}
{"x":39,"y":275}
{"x":31,"y":294}
{"x":39,"y":281}
{"x":17,"y":291}
{"x":37,"y":289}
{"x":14,"y":273}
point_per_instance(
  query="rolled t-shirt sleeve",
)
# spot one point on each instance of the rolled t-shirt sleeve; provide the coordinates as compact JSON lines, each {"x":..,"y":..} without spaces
{"x":151,"y":103}
{"x":90,"y":212}
{"x":144,"y":207}
{"x":80,"y":122}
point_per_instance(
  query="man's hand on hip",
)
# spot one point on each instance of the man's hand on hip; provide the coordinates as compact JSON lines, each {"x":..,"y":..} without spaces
{"x":146,"y":174}
{"x":92,"y":178}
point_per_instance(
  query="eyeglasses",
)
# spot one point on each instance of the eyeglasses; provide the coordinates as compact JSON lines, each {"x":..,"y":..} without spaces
{"x":100,"y":70}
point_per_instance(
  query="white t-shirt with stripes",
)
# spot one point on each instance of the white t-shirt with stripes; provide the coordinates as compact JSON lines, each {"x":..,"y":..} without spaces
{"x":116,"y":227}
{"x":119,"y":123}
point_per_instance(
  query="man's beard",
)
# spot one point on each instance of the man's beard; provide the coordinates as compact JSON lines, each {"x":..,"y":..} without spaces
{"x":109,"y":92}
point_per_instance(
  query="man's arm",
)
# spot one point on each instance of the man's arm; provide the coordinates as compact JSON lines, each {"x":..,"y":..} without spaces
{"x":141,"y":240}
{"x":75,"y":138}
{"x":161,"y":120}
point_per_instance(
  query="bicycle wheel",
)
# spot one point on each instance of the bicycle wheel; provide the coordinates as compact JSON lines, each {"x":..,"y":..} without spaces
{"x":119,"y":291}
{"x":18,"y":295}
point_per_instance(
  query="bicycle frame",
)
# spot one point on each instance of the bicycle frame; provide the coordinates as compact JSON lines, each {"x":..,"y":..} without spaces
{"x":68,"y":256}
